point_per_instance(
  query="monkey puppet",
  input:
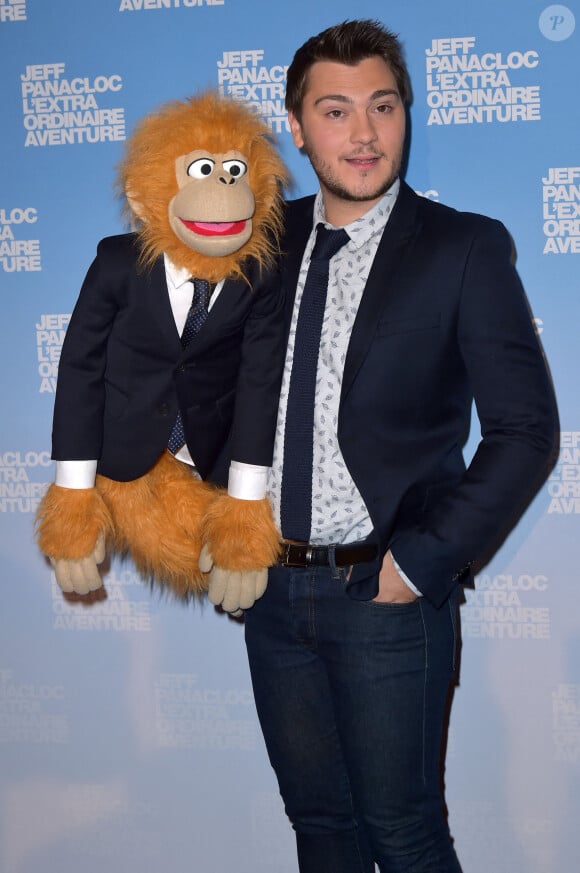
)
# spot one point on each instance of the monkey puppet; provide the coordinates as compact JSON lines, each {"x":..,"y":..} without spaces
{"x":204,"y":182}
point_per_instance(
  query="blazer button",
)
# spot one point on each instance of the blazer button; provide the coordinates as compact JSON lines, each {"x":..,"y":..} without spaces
{"x":180,"y":368}
{"x":164,"y":409}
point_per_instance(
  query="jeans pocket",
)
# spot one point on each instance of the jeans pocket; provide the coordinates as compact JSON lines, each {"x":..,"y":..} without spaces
{"x":381,"y":604}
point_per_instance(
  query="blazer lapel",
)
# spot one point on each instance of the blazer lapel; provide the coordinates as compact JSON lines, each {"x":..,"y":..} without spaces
{"x":159,"y":304}
{"x":394,"y":247}
{"x":298,"y":229}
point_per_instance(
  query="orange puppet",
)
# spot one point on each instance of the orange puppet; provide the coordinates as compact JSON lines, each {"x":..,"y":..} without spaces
{"x":175,"y":341}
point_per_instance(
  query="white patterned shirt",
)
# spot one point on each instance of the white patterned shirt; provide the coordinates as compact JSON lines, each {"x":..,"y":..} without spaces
{"x":339,"y":514}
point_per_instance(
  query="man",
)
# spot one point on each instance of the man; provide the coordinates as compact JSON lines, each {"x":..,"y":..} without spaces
{"x":352,"y":646}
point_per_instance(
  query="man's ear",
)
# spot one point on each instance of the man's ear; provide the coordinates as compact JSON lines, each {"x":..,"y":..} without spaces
{"x":296,"y":130}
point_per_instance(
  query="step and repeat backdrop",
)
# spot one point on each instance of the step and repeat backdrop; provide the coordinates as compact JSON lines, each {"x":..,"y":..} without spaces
{"x":128,"y":736}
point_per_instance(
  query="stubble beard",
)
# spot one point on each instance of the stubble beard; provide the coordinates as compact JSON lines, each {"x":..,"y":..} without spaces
{"x":334,"y":186}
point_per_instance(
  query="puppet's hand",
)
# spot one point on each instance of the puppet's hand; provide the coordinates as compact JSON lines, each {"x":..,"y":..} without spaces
{"x":72,"y":527}
{"x":233,"y":590}
{"x":240,"y":542}
{"x":81,"y":576}
{"x":241,"y":534}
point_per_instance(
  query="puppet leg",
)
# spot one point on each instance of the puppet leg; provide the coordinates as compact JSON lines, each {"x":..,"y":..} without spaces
{"x":157,"y":519}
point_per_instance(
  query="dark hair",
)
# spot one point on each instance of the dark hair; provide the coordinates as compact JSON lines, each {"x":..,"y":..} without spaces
{"x":347,"y":43}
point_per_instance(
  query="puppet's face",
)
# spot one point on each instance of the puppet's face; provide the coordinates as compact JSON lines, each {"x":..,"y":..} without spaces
{"x":212,"y":211}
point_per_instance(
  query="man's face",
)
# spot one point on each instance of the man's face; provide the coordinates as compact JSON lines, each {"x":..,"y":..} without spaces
{"x":352,"y":128}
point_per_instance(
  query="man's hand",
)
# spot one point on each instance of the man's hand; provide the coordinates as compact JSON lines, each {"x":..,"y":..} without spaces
{"x":392,"y":588}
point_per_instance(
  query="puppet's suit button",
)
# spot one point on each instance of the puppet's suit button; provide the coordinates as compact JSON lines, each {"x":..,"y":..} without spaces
{"x":180,"y":369}
{"x":164,"y":409}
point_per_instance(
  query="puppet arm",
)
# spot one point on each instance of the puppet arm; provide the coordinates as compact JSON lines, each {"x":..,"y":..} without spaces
{"x":240,"y":540}
{"x":73,"y":526}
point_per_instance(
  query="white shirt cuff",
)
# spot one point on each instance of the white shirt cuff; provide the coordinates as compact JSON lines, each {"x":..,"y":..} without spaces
{"x":76,"y":474}
{"x":405,"y":578}
{"x":247,"y":481}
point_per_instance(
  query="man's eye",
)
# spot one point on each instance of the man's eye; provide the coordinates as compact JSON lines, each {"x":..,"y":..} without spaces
{"x":200,"y":169}
{"x":383,"y":107}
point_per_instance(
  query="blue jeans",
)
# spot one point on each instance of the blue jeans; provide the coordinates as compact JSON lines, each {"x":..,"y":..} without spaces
{"x":352,"y":699}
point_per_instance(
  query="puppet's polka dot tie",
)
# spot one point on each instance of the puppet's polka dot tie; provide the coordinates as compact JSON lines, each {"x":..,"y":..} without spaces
{"x":296,"y":494}
{"x":196,"y":316}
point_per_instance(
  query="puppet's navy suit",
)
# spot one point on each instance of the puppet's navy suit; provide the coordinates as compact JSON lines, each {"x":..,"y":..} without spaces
{"x":123,"y":373}
{"x":355,"y":742}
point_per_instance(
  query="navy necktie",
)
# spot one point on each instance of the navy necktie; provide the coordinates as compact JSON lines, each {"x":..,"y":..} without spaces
{"x":296,"y":493}
{"x":196,"y":316}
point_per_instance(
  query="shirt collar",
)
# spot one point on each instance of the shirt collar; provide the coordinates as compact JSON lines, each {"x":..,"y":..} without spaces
{"x":177,"y":275}
{"x":362,"y":229}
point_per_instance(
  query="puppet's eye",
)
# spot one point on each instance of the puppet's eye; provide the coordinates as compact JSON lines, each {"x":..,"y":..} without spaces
{"x":201,"y":168}
{"x":237,"y":169}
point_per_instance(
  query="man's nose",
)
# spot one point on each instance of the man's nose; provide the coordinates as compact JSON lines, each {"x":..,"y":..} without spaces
{"x":363,"y":129}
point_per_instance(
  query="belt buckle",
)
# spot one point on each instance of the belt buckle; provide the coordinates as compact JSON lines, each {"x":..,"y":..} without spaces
{"x":304,"y":562}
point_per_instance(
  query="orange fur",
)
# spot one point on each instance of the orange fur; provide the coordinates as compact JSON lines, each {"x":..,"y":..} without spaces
{"x":241,"y":534}
{"x":69,"y":520}
{"x":147,"y":172}
{"x":157,"y":520}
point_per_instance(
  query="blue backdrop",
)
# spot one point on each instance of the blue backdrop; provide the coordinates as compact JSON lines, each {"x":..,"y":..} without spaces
{"x":128,"y":736}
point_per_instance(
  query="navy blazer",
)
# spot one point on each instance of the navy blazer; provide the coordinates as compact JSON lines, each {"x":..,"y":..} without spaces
{"x":443,"y":319}
{"x":123,"y":373}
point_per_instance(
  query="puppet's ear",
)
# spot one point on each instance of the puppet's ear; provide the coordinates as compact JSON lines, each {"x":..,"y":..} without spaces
{"x":135,"y":206}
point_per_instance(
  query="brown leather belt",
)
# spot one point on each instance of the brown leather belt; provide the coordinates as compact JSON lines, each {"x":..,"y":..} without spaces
{"x":308,"y":555}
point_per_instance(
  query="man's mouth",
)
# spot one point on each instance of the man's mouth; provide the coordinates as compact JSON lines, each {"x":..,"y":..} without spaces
{"x":215,"y":228}
{"x":363,"y":162}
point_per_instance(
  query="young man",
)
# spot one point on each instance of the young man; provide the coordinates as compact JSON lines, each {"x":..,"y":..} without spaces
{"x":352,"y":647}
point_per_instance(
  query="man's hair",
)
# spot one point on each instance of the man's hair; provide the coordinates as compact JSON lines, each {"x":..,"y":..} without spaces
{"x":347,"y":43}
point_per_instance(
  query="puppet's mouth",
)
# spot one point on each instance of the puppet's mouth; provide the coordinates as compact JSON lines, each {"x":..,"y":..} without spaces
{"x":215,"y":228}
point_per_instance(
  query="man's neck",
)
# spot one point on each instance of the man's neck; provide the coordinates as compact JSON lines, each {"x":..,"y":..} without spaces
{"x":341,"y":212}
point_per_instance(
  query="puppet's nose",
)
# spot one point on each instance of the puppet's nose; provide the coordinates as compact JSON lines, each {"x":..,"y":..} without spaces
{"x":227,"y":180}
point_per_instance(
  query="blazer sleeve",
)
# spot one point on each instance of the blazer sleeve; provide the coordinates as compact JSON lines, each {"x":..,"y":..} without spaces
{"x":518,"y":417}
{"x":260,"y":374}
{"x":77,"y":432}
